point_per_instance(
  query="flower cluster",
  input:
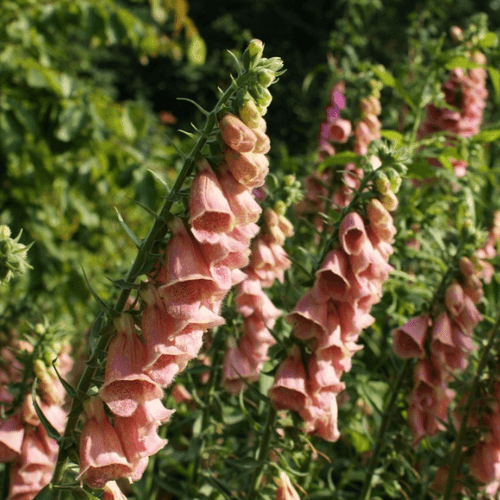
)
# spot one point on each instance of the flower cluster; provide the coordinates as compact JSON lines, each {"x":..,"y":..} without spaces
{"x":336,"y":130}
{"x":465,"y":92}
{"x":330,"y":318}
{"x":441,"y":343}
{"x":268,"y":262}
{"x":24,"y":441}
{"x":201,"y":262}
{"x":12,"y":255}
{"x":484,"y":462}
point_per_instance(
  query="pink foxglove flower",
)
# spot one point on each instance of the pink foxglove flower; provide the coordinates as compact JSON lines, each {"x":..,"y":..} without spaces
{"x":113,"y":492}
{"x":11,"y":438}
{"x":210,"y":214}
{"x":285,"y":490}
{"x":102,"y":458}
{"x":236,"y":134}
{"x":331,"y":278}
{"x":340,"y":130}
{"x":409,"y":339}
{"x":125,"y":385}
{"x":249,"y":169}
{"x":289,"y":390}
{"x":187,"y":275}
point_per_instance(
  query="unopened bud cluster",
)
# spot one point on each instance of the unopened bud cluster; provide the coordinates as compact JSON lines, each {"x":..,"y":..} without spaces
{"x":12,"y":255}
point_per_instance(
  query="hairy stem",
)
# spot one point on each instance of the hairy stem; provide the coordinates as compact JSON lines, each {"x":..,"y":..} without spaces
{"x":156,"y":233}
{"x":262,"y":454}
{"x":206,"y":409}
{"x":386,"y":419}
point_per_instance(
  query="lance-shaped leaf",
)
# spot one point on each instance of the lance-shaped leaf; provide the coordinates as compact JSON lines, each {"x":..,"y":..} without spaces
{"x":51,"y":431}
{"x":101,"y":302}
{"x":130,"y":233}
{"x":67,"y":386}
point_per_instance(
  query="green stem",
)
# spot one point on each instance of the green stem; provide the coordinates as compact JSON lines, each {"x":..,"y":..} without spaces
{"x":206,"y":409}
{"x":465,"y":417}
{"x":262,"y":455}
{"x":386,"y":419}
{"x":156,"y":233}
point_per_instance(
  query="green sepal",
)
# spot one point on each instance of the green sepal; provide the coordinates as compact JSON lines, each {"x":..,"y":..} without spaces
{"x":123,"y":285}
{"x":96,"y":329}
{"x":198,"y":107}
{"x":67,"y":386}
{"x":101,"y":302}
{"x":51,"y":431}
{"x":47,"y":493}
{"x":136,"y":241}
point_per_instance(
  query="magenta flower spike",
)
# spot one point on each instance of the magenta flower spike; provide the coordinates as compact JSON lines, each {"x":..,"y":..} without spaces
{"x":102,"y":458}
{"x":409,"y":339}
{"x":188,"y":277}
{"x":210,"y":214}
{"x":125,"y":385}
{"x":340,"y":130}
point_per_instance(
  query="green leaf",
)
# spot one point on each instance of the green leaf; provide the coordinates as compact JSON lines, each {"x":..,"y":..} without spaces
{"x":71,"y":121}
{"x":98,"y":299}
{"x":51,"y":431}
{"x":461,"y":62}
{"x":392,"y":135}
{"x":421,"y":169}
{"x":488,"y":135}
{"x":385,"y":76}
{"x":67,"y":386}
{"x":47,"y":493}
{"x":489,"y":40}
{"x":495,"y":80}
{"x":130,"y":233}
{"x":96,"y":330}
{"x":338,"y":159}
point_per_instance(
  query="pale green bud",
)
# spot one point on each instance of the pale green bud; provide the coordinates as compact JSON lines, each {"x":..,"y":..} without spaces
{"x":253,"y":54}
{"x":265,"y":77}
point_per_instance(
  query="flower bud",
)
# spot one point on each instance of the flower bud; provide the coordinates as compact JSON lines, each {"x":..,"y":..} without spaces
{"x":262,"y":96}
{"x":265,"y":77}
{"x":456,"y":34}
{"x":280,"y":207}
{"x":394,"y":179}
{"x":273,"y":63}
{"x":289,"y":180}
{"x":382,"y":183}
{"x":466,"y":267}
{"x":249,"y":113}
{"x":253,"y":54}
{"x":389,"y":201}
